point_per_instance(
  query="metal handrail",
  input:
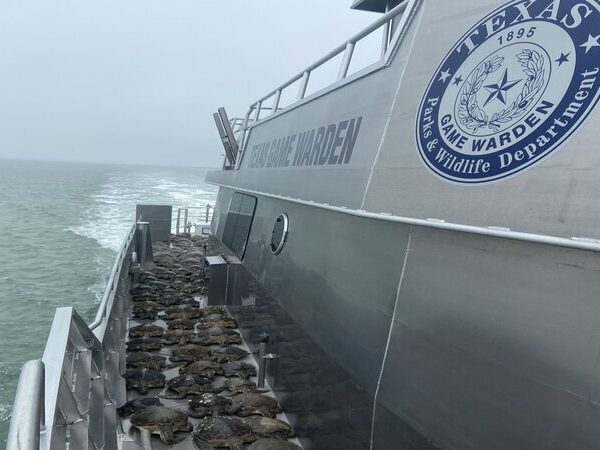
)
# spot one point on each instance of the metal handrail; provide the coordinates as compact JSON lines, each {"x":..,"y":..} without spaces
{"x":113,"y":278}
{"x":347,"y":48}
{"x":28,"y":410}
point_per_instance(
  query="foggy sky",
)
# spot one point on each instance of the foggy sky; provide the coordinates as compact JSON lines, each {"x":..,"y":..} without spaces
{"x":137,"y":80}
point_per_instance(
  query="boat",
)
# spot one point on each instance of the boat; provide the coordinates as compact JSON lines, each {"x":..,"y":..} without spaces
{"x":410,"y":252}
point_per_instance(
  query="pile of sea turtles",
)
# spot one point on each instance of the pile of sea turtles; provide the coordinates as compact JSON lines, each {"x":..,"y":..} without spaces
{"x":185,"y":365}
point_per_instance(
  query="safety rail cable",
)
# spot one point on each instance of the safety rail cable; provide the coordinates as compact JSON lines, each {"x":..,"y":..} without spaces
{"x":304,"y":76}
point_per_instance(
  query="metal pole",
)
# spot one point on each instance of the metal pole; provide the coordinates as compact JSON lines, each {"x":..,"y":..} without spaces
{"x":386,"y":33}
{"x":276,"y":101}
{"x":303,"y":85}
{"x":28,"y":410}
{"x":207,"y":212}
{"x":346,"y":61}
{"x":178,"y":220}
{"x":262,"y":361}
{"x":185,"y":220}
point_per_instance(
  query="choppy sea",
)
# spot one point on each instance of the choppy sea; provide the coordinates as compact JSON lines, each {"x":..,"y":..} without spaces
{"x":60,"y":227}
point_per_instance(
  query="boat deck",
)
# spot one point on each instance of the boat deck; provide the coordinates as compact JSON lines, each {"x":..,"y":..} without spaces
{"x":179,"y":281}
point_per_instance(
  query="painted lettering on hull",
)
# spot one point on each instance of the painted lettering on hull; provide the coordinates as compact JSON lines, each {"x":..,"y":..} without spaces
{"x":331,"y":145}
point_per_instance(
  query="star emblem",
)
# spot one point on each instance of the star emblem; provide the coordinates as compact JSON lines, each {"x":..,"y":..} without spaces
{"x":562,"y":59}
{"x":591,"y":43}
{"x":457,"y":80}
{"x":499,"y":89}
{"x":444,"y":76}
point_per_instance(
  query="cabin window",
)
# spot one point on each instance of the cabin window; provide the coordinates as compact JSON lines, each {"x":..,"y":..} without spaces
{"x":239,"y":222}
{"x":280,"y":231}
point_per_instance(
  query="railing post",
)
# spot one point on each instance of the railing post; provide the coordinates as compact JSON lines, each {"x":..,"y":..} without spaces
{"x":178,"y":220}
{"x":207,"y":212}
{"x":257,"y":113}
{"x":276,"y":101}
{"x":346,"y":61}
{"x":303,"y":85}
{"x":185,"y":220}
{"x":28,"y":410}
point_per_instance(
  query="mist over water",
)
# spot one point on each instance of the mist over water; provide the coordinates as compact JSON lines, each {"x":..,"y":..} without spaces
{"x":60,"y":227}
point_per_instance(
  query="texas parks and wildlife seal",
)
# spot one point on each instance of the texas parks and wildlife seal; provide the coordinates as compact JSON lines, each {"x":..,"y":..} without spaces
{"x":513,"y":88}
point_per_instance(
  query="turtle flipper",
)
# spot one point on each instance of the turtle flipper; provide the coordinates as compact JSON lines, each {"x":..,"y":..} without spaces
{"x":143,"y":387}
{"x":202,"y":444}
{"x":166,"y":435}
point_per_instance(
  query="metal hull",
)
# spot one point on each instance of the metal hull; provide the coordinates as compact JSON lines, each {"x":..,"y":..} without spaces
{"x":474,"y":342}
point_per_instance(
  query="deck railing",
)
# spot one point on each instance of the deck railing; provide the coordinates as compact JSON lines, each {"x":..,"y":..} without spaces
{"x":68,"y":398}
{"x":189,"y":218}
{"x":347,"y":49}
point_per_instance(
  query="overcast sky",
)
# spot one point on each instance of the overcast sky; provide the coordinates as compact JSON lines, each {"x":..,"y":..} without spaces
{"x":137,"y":80}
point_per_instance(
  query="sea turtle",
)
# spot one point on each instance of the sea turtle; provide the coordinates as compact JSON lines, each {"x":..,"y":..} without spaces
{"x":273,"y":444}
{"x":148,"y":330}
{"x":179,"y":337}
{"x":146,"y":310}
{"x":208,"y":404}
{"x":144,"y":379}
{"x":184,"y":308}
{"x":223,"y":340}
{"x":144,"y":344}
{"x":228,"y":354}
{"x":168,"y":300}
{"x":269,"y":427}
{"x":180,"y":324}
{"x":252,"y":403}
{"x":190,"y":352}
{"x":217,"y":331}
{"x":183,"y":385}
{"x":143,"y":360}
{"x":135,"y":405}
{"x":205,"y":368}
{"x":222,"y":323}
{"x":238,"y":369}
{"x":236,"y":386}
{"x":162,"y":421}
{"x":220,"y":431}
{"x":187,"y":313}
{"x":214,"y":309}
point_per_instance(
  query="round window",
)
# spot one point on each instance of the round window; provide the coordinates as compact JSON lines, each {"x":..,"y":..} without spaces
{"x":280,"y":231}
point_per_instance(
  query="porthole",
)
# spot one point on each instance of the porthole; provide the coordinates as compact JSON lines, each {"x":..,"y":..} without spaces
{"x":280,"y":231}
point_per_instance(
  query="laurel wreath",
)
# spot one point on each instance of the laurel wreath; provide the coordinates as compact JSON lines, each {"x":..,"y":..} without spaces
{"x":475,"y":118}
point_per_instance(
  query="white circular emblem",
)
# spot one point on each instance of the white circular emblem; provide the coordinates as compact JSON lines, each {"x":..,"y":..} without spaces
{"x":511,"y":90}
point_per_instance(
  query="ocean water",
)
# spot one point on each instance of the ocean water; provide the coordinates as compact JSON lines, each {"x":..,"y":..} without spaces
{"x":60,"y":227}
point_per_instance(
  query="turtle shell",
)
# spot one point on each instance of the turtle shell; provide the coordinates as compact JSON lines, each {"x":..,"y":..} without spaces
{"x":269,"y":427}
{"x":190,"y":352}
{"x":206,"y":368}
{"x":144,"y":379}
{"x":135,"y":405}
{"x":229,"y":354}
{"x":238,"y":369}
{"x":208,"y":404}
{"x":220,"y":431}
{"x":253,"y":403}
{"x":148,"y":330}
{"x":188,"y":384}
{"x":143,"y":360}
{"x":162,"y":421}
{"x":144,"y":344}
{"x":180,"y":337}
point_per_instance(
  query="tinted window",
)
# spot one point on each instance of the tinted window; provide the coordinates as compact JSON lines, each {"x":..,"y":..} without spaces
{"x":239,"y":221}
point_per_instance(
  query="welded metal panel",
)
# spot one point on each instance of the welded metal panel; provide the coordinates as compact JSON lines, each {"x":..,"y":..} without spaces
{"x":495,"y":344}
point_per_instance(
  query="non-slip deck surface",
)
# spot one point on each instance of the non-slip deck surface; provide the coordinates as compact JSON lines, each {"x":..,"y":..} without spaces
{"x":174,"y":334}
